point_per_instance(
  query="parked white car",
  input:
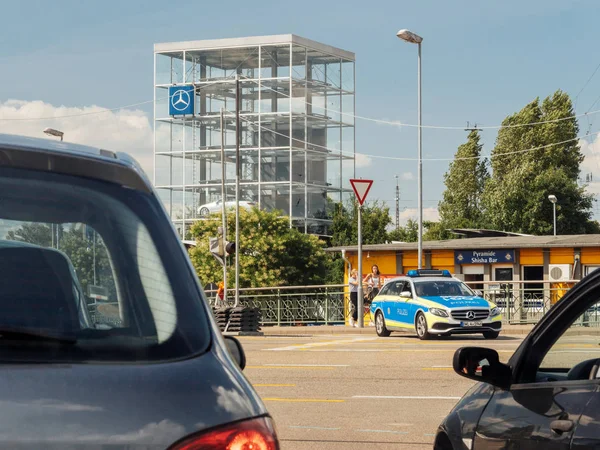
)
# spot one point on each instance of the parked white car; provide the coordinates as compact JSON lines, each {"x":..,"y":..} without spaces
{"x":214,"y":207}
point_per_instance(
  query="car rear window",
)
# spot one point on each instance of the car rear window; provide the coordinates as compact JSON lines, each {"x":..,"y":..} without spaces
{"x":94,"y":272}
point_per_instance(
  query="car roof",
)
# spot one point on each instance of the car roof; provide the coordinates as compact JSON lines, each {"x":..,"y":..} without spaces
{"x":423,"y":279}
{"x":72,"y":159}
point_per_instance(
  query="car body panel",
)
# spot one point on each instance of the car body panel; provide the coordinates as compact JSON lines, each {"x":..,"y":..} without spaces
{"x":120,"y":405}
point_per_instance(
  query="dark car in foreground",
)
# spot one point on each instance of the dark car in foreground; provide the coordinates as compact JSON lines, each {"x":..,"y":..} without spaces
{"x":106,"y":340}
{"x":547,"y":396}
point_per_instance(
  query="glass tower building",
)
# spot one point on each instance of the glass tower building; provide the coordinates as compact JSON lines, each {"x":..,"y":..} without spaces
{"x":296,"y":103}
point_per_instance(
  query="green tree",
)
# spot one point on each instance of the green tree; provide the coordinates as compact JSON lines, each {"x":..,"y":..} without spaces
{"x":375,"y":220}
{"x":32,"y":233}
{"x":432,"y":231}
{"x":88,"y":259}
{"x":515,"y":197}
{"x":271,"y":253}
{"x":465,"y":181}
{"x":407,"y":233}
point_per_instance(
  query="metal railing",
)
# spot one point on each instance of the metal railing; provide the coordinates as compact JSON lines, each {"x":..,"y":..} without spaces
{"x":293,"y":305}
{"x":328,"y":304}
{"x":519,"y":302}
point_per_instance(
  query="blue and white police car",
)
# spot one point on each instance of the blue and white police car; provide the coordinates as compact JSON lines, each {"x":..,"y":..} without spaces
{"x":432,"y":302}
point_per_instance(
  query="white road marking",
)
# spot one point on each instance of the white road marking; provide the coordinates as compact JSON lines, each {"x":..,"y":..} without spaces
{"x":319,"y":344}
{"x":384,"y":431}
{"x":408,"y":397}
{"x":308,"y":365}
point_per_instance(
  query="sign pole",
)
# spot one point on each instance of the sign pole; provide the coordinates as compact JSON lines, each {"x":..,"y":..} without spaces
{"x":238,"y":169}
{"x":360,"y":303}
{"x":361,"y":190}
{"x":223,"y":209}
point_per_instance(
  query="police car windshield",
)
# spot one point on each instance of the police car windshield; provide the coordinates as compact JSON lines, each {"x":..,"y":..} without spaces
{"x":433,"y":288}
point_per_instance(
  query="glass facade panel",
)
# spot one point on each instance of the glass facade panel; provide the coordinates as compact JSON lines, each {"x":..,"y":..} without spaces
{"x":292,"y":130}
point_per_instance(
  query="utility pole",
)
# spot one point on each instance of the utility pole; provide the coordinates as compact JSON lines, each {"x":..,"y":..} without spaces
{"x":223,"y":208}
{"x":397,"y":203}
{"x":238,"y":169}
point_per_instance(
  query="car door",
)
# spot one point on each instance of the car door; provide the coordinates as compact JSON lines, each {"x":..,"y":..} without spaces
{"x":554,"y":383}
{"x":392,"y":301}
{"x":401,"y":305}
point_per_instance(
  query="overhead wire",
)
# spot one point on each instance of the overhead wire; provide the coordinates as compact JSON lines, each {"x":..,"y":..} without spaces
{"x":395,"y":158}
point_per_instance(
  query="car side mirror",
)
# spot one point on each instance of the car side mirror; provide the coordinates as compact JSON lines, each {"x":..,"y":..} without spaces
{"x":406,"y":294}
{"x":482,"y":364}
{"x":236,"y":350}
{"x":479,"y":293}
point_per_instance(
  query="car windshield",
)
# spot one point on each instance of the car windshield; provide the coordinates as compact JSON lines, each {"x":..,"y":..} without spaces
{"x":448,"y":288}
{"x":84,"y":268}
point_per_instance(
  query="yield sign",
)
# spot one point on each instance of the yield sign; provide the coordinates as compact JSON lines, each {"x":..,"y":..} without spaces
{"x":361,"y":189}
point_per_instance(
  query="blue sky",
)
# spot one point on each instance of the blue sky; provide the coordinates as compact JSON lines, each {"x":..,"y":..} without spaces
{"x":481,"y":61}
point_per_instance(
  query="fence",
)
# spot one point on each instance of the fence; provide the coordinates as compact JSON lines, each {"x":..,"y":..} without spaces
{"x":519,"y":302}
{"x":293,"y":305}
{"x":325,"y":304}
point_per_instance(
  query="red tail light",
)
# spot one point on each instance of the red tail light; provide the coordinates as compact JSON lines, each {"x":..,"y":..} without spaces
{"x":255,"y":434}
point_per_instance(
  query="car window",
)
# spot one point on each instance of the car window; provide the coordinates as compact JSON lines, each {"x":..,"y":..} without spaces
{"x":395,"y":287}
{"x":580,"y":343}
{"x":79,"y":261}
{"x":384,"y":290}
{"x":442,"y":288}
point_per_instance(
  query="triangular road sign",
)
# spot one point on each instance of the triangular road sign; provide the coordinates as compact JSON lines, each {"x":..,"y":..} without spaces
{"x":361,"y":189}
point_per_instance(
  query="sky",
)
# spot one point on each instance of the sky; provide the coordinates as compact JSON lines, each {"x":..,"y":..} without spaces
{"x":480,"y":62}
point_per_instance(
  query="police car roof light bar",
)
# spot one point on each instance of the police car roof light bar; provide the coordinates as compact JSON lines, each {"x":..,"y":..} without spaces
{"x":429,"y":273}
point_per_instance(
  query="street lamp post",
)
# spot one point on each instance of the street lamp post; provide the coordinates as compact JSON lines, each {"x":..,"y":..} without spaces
{"x":53,"y":132}
{"x":553,"y":199}
{"x":413,"y":38}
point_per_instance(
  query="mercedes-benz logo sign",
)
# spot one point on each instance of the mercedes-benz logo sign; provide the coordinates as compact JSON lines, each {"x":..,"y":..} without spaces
{"x":470,"y":315}
{"x":181,"y":100}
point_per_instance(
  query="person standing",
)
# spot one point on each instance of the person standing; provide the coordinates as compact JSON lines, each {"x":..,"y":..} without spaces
{"x":353,"y":284}
{"x":373,"y":281}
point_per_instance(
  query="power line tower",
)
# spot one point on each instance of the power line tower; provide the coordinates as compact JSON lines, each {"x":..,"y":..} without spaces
{"x":397,"y":203}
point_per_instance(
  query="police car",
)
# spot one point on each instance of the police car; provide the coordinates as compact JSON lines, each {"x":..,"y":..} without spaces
{"x":432,"y":302}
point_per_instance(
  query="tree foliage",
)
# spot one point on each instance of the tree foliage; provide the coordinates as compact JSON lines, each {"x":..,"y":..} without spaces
{"x":465,"y":181}
{"x":271,"y":253}
{"x":375,"y":220}
{"x":515,"y":197}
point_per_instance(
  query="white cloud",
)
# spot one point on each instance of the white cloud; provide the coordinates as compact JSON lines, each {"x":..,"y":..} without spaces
{"x":125,"y":130}
{"x":407,"y":176}
{"x":429,"y":214}
{"x":363,"y":160}
{"x":591,"y":163}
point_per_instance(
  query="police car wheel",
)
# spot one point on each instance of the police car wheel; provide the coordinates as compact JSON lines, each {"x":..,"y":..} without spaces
{"x":421,"y":327}
{"x":204,"y":212}
{"x":491,"y":334}
{"x":380,"y":325}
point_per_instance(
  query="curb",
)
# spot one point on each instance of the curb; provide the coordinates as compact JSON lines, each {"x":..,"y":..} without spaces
{"x":331,"y":331}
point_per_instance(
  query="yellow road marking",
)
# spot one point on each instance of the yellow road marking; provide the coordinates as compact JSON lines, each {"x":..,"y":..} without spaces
{"x":290,"y":367}
{"x":274,"y":385}
{"x":302,"y":400}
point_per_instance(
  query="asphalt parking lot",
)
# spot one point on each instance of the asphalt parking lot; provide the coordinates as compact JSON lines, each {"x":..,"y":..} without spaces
{"x":358,"y":391}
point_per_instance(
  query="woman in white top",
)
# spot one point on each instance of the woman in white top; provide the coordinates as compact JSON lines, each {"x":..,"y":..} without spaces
{"x":373,"y":281}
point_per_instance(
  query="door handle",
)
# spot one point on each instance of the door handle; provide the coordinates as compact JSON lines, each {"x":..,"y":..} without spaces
{"x":561,"y":426}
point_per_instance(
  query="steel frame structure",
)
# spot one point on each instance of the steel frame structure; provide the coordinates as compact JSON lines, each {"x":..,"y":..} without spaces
{"x":297,"y":125}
